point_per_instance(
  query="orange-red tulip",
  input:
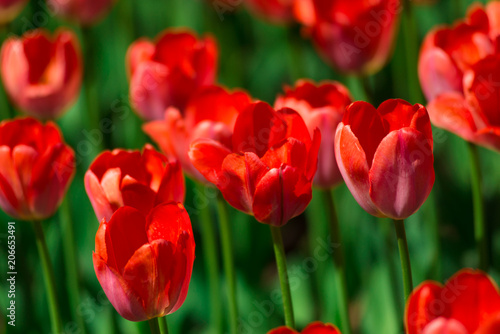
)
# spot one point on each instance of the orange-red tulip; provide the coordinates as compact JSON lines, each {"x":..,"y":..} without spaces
{"x":459,"y":73}
{"x":353,"y":36}
{"x":210,"y":113}
{"x":469,"y":303}
{"x":42,"y":74}
{"x":321,"y":106}
{"x":129,"y":178}
{"x":385,"y":156}
{"x":9,"y":9}
{"x":313,"y":328}
{"x":276,"y":11}
{"x":84,"y":12}
{"x":36,"y":168}
{"x":269,"y":168}
{"x":144,"y":262}
{"x":165,"y":73}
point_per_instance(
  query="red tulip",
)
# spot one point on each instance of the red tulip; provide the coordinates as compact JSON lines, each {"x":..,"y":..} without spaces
{"x":211,"y":113}
{"x":36,"y":168}
{"x":129,"y":178}
{"x":313,"y":328}
{"x":42,"y":75}
{"x":276,"y":11}
{"x":385,"y":156}
{"x":144,"y":262}
{"x":162,"y":78}
{"x":268,"y":169}
{"x":354,"y":36}
{"x":469,"y":303}
{"x":459,"y":73}
{"x":9,"y":9}
{"x":84,"y":12}
{"x":321,"y":106}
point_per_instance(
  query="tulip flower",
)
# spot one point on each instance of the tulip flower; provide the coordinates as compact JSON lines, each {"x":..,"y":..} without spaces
{"x":276,"y":11}
{"x":129,"y":178}
{"x":355,"y":37}
{"x":458,"y":70}
{"x":161,"y":78}
{"x":268,"y":169}
{"x":385,"y":156}
{"x":9,"y":9}
{"x":313,"y":328}
{"x":210,"y":113}
{"x":85,"y":12}
{"x":469,"y":303}
{"x":144,"y":262}
{"x":36,"y":168}
{"x":321,"y":106}
{"x":42,"y":74}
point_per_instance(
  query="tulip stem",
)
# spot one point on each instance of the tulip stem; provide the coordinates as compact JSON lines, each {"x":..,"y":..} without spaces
{"x":480,"y":228}
{"x":71,"y":262}
{"x":405,"y":257}
{"x":279,"y":252}
{"x":411,"y":43}
{"x":339,"y":261}
{"x":154,"y":326}
{"x":49,"y":277}
{"x":209,"y":245}
{"x":163,"y":325}
{"x":227,"y":254}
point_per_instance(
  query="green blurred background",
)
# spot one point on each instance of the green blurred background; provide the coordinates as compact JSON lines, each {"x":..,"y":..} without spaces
{"x":261,"y":58}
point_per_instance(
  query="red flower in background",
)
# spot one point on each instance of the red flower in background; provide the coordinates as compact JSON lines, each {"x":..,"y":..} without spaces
{"x":321,"y":106}
{"x":269,"y":168}
{"x":84,"y":12}
{"x":385,"y":156}
{"x":459,"y":70}
{"x":41,"y":74}
{"x":469,"y":303}
{"x":167,"y":72}
{"x":354,"y":36}
{"x":313,"y":328}
{"x":276,"y":11}
{"x":129,"y":178}
{"x":9,"y":9}
{"x":36,"y":168}
{"x":144,"y":262}
{"x":210,"y":113}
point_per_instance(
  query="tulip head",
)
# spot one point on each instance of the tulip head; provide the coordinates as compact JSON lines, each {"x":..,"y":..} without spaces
{"x":36,"y":168}
{"x":321,"y":106}
{"x":42,"y":74}
{"x":468,"y":303}
{"x":269,"y":168}
{"x":210,"y":113}
{"x":160,"y":78}
{"x":385,"y":156}
{"x":9,"y":9}
{"x":275,"y":11}
{"x":84,"y":12}
{"x":144,"y":262}
{"x":313,"y":328}
{"x":129,"y":178}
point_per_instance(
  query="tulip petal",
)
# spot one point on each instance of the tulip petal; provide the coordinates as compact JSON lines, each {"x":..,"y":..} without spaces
{"x":402,"y":174}
{"x":283,"y":330}
{"x":207,"y":157}
{"x":97,"y":197}
{"x":425,"y":305}
{"x":178,"y":221}
{"x":491,"y":326}
{"x":320,"y":328}
{"x":445,"y":326}
{"x":138,"y":196}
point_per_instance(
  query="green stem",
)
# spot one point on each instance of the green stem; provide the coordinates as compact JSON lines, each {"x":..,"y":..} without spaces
{"x":360,"y":88}
{"x":405,"y":257}
{"x":339,"y":260}
{"x":71,"y":262}
{"x":411,"y":43}
{"x":163,"y":325}
{"x":209,"y":245}
{"x":154,"y":326}
{"x":227,"y":254}
{"x":48,"y":273}
{"x":294,"y":43}
{"x":279,"y":252}
{"x":480,"y":228}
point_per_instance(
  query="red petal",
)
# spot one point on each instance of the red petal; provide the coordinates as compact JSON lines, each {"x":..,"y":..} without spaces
{"x":320,"y":328}
{"x":282,"y":330}
{"x":138,"y":52}
{"x":167,"y":221}
{"x":445,"y":326}
{"x":424,"y":306}
{"x":491,"y":326}
{"x":207,"y":156}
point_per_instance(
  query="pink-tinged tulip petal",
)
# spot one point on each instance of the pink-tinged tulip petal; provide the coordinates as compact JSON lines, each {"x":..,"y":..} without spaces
{"x":99,"y":200}
{"x":42,"y":83}
{"x":163,"y":79}
{"x":86,"y":12}
{"x":493,"y":12}
{"x":9,"y":9}
{"x":402,"y":174}
{"x":445,"y":326}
